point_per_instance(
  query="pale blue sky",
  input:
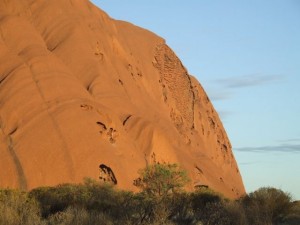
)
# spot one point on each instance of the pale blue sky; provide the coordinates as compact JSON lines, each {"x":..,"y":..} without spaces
{"x":246,"y":54}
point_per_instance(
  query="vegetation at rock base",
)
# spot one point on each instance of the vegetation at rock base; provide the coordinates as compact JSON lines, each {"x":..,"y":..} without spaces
{"x":161,"y":179}
{"x":92,"y":203}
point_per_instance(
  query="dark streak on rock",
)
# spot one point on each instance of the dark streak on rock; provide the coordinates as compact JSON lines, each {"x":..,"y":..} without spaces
{"x":127,"y":118}
{"x":21,"y":175}
{"x":109,"y":175}
{"x":102,"y":124}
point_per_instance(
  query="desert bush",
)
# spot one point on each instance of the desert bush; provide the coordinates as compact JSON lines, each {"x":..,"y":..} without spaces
{"x":99,"y":199}
{"x":17,"y":208}
{"x":159,"y":183}
{"x":235,"y":212}
{"x":210,"y":207}
{"x":293,"y":217}
{"x":94,"y":203}
{"x":181,"y":209}
{"x":267,"y":206}
{"x":161,"y":179}
{"x":57,"y":199}
{"x":202,"y":197}
{"x":79,"y":216}
{"x":142,"y":209}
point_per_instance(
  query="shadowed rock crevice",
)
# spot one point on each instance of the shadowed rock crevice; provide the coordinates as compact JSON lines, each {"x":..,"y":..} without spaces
{"x":107,"y":175}
{"x":22,"y":182}
{"x":108,"y":132}
{"x":102,"y":126}
{"x":86,"y":107}
{"x":126,"y":119}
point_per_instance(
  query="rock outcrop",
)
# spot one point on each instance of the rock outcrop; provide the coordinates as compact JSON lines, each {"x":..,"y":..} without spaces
{"x":83,"y":95}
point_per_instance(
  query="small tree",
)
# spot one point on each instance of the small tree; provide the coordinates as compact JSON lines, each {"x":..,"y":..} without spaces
{"x":160,"y":179}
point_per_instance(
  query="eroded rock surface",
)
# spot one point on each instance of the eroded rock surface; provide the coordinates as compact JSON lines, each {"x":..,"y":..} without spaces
{"x":83,"y":95}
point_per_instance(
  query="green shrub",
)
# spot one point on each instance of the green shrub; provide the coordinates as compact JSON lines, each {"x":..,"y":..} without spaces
{"x":17,"y":208}
{"x":92,"y":204}
{"x":91,"y":196}
{"x":100,"y":199}
{"x":161,"y":179}
{"x":57,"y":199}
{"x":79,"y":216}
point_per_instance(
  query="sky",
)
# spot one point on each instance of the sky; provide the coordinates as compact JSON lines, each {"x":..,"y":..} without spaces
{"x":246,"y":55}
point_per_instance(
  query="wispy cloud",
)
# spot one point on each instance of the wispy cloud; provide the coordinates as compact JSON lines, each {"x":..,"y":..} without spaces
{"x":224,"y":114}
{"x":249,"y":163}
{"x":248,"y":80}
{"x":287,"y":148}
{"x":217,"y":95}
{"x":222,"y":89}
{"x":290,"y":140}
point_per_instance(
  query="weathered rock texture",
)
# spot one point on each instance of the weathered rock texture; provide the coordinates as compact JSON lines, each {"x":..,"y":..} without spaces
{"x":83,"y":95}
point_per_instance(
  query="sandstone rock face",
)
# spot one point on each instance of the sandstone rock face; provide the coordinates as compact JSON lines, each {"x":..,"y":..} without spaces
{"x":83,"y":95}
